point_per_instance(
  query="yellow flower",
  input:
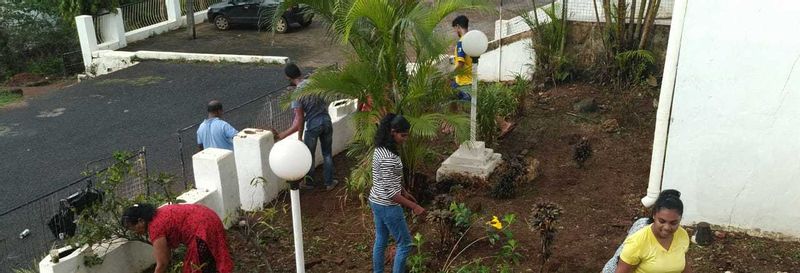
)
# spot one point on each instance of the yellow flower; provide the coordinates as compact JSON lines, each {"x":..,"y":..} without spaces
{"x":495,"y":223}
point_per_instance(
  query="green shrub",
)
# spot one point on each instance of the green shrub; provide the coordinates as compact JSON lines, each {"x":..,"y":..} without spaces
{"x":494,"y":100}
{"x":636,"y":65}
{"x":46,"y":66}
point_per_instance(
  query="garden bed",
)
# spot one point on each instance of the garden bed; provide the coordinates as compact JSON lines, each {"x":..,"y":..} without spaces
{"x":599,"y":200}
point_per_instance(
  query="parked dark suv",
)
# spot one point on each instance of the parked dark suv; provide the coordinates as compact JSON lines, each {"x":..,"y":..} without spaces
{"x":258,"y":13}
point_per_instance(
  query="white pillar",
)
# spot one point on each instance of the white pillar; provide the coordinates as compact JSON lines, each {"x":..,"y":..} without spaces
{"x":174,"y":12}
{"x":87,"y":38}
{"x":257,"y":183}
{"x":112,"y":29}
{"x":215,"y":170}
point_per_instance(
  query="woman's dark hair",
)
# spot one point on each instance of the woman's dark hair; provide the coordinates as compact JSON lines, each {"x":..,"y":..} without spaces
{"x":383,"y":137}
{"x":668,"y":199}
{"x":137,"y":211}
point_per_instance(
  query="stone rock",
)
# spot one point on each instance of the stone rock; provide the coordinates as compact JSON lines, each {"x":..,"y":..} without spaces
{"x":703,"y":235}
{"x":587,"y":105}
{"x":610,"y":126}
{"x":532,"y":170}
{"x":720,"y":234}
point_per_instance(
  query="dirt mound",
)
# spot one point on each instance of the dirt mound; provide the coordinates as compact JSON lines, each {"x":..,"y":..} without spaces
{"x":25,"y":79}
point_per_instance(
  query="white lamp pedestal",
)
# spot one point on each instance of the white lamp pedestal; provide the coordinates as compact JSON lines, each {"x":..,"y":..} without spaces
{"x":473,"y":159}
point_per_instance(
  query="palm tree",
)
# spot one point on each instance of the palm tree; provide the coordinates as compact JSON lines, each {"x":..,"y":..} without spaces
{"x":385,"y":36}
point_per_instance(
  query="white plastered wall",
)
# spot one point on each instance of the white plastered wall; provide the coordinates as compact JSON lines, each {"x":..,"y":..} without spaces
{"x":733,"y":148}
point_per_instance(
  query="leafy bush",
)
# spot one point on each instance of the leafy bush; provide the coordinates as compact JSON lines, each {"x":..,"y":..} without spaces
{"x":549,"y":41}
{"x":636,"y":65}
{"x":46,"y":66}
{"x":99,"y":223}
{"x":495,"y":101}
{"x":33,"y":35}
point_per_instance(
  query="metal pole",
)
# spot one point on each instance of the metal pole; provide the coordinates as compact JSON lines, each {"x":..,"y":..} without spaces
{"x":190,"y":18}
{"x":183,"y":162}
{"x":473,"y":113}
{"x":500,"y":46}
{"x":297,"y":227}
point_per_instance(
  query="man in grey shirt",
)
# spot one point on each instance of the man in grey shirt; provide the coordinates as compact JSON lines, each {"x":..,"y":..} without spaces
{"x":313,"y":111}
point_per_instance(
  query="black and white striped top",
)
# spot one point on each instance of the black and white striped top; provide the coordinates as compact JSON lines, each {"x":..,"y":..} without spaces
{"x":387,"y":177}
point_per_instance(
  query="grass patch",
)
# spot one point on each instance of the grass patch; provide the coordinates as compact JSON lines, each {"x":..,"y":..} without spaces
{"x":8,"y":98}
{"x":141,"y":81}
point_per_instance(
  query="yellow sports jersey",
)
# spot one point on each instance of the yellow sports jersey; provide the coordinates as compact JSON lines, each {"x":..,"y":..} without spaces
{"x":465,"y":77}
{"x":643,"y":250}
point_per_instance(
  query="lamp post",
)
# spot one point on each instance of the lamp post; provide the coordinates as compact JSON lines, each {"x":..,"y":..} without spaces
{"x":472,"y":158}
{"x":474,"y":44}
{"x":290,"y":160}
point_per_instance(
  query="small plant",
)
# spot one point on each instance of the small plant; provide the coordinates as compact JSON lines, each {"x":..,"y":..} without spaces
{"x":418,"y":262}
{"x":544,"y":219}
{"x":582,"y":152}
{"x":443,"y":219}
{"x":636,"y":65}
{"x":463,"y":217}
{"x":509,"y":173}
{"x":499,"y":231}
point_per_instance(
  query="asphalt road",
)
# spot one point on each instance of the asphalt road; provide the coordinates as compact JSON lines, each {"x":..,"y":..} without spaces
{"x":47,"y":144}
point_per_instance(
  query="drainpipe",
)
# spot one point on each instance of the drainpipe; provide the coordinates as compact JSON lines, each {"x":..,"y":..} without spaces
{"x":665,"y":104}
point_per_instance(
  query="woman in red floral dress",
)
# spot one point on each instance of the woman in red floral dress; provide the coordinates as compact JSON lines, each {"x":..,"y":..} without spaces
{"x":196,"y":226}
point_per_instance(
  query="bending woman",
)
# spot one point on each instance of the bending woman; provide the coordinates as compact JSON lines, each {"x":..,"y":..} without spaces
{"x":661,"y":246}
{"x":387,"y":193}
{"x":196,"y":226}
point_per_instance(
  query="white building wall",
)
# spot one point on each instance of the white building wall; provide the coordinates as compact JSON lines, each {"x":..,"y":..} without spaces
{"x":733,"y":146}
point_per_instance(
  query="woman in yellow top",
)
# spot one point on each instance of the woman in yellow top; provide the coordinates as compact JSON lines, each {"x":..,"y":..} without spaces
{"x":660,"y":247}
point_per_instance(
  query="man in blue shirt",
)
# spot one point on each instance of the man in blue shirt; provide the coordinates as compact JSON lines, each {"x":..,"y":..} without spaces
{"x":214,"y":132}
{"x":312,"y":110}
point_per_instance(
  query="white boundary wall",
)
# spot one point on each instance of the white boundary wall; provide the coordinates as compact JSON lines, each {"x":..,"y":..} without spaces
{"x":221,"y":186}
{"x":516,"y":58}
{"x":732,"y":144}
{"x":113,"y":32}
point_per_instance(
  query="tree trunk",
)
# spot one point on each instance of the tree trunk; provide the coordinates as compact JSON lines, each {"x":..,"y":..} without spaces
{"x":620,"y":23}
{"x":631,"y":26}
{"x":649,"y":24}
{"x":637,"y":32}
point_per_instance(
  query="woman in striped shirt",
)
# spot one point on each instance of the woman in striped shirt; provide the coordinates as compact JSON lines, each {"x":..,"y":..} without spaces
{"x":387,"y":193}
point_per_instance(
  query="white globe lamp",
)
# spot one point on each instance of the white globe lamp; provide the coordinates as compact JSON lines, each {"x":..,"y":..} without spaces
{"x":290,"y":159}
{"x":474,"y":43}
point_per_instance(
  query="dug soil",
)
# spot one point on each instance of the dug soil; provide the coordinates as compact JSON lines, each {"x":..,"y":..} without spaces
{"x":599,"y":200}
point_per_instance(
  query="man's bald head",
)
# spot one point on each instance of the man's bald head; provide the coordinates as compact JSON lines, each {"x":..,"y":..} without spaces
{"x":214,"y":107}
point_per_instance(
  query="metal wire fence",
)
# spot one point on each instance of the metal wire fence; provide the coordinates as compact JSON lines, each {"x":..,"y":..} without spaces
{"x":143,"y":13}
{"x":26,"y":234}
{"x":199,"y":5}
{"x":579,"y":11}
{"x":267,"y":111}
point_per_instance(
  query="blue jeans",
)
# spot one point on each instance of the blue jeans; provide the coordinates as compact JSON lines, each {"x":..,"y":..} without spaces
{"x":390,"y":220}
{"x":323,"y":133}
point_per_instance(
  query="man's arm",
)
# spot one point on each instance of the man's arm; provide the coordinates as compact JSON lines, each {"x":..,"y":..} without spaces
{"x":297,"y":125}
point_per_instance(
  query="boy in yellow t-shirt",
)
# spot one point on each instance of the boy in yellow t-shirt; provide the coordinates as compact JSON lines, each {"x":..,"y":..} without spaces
{"x":463,"y":68}
{"x":463,"y":63}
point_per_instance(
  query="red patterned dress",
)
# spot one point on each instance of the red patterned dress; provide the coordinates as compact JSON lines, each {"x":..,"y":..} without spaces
{"x":200,"y":229}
